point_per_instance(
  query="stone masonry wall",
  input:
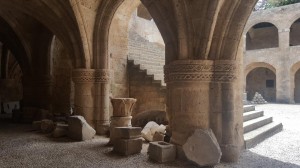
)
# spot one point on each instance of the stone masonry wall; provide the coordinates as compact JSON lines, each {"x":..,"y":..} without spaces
{"x":283,"y":57}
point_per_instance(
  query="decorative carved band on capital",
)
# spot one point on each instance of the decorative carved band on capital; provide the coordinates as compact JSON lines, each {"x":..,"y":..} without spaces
{"x":201,"y":70}
{"x":91,"y":75}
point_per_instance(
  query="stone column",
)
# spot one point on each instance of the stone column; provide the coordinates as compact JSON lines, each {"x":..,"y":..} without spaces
{"x":122,"y":109}
{"x":92,"y":97}
{"x":201,"y":94}
{"x":282,"y":73}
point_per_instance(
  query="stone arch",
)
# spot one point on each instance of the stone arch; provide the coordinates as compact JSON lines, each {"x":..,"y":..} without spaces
{"x":262,"y":80}
{"x":295,"y":33}
{"x":294,"y":70}
{"x":58,"y":17}
{"x":254,"y":65}
{"x":262,"y":35}
{"x":16,"y":45}
{"x":261,"y":20}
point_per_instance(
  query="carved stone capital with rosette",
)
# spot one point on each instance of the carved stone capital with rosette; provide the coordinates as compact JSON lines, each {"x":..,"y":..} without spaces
{"x":91,"y":75}
{"x":201,"y":70}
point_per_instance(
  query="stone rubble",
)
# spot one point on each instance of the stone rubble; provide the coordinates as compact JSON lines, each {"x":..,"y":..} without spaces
{"x":150,"y":129}
{"x":79,"y":129}
{"x":202,"y":148}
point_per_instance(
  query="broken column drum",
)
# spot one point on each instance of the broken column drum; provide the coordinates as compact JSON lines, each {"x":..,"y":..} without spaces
{"x":122,"y":109}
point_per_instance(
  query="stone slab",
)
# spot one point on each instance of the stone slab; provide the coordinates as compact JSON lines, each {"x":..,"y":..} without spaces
{"x":162,"y":151}
{"x":128,"y":146}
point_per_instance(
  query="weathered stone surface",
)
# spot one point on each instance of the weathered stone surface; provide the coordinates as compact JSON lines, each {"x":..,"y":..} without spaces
{"x":47,"y":126}
{"x":202,"y":148}
{"x":79,"y":129}
{"x":128,"y":146}
{"x":122,"y":107}
{"x":162,"y":151}
{"x":118,"y":122}
{"x":61,"y":130}
{"x":141,"y":119}
{"x":127,"y":132}
{"x":158,"y":136}
{"x":150,"y":129}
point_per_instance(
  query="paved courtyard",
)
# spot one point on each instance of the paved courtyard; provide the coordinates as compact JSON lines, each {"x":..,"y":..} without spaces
{"x":21,"y":147}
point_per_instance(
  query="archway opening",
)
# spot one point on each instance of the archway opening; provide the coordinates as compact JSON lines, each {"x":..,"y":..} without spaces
{"x":295,"y":33}
{"x":137,"y":57}
{"x":261,"y":36}
{"x":263,"y":81}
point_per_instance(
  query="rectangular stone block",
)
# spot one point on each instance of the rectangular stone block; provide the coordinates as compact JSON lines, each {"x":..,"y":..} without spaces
{"x":127,"y":132}
{"x":128,"y":146}
{"x":162,"y":151}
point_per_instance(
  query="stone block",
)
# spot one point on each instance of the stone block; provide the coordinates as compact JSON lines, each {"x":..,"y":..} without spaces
{"x":128,"y":146}
{"x":127,"y":132}
{"x":79,"y":129}
{"x":158,"y":136}
{"x":202,"y":148}
{"x":47,"y":126}
{"x":61,"y":130}
{"x":162,"y":151}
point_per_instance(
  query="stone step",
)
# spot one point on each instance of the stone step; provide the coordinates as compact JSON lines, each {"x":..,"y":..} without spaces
{"x":256,"y":136}
{"x":248,"y":108}
{"x":256,"y":123}
{"x":252,"y":115}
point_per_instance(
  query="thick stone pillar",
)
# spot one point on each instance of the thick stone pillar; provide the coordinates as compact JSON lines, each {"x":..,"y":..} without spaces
{"x":282,"y":73}
{"x":203,"y":94}
{"x":92,"y":97}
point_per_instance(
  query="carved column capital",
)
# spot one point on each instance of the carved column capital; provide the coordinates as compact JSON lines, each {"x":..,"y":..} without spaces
{"x":91,"y":75}
{"x":201,"y":71}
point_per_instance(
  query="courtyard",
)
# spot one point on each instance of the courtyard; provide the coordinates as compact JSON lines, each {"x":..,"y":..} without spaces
{"x":22,"y":147}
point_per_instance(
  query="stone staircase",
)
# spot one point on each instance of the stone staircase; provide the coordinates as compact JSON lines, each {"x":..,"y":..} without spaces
{"x":258,"y":127}
{"x":146,"y":56}
{"x":133,"y":66}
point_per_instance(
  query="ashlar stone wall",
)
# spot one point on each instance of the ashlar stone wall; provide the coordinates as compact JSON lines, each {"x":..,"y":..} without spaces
{"x":284,"y":58}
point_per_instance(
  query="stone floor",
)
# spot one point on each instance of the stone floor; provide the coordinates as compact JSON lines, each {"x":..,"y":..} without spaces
{"x":21,"y":147}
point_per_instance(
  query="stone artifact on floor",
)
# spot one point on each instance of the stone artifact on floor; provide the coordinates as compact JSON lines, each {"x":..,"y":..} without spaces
{"x":162,"y":151}
{"x":122,"y":109}
{"x":79,"y":129}
{"x":47,"y":126}
{"x":61,"y":130}
{"x":258,"y":99}
{"x":151,"y":128}
{"x":202,"y":148}
{"x":127,"y":140}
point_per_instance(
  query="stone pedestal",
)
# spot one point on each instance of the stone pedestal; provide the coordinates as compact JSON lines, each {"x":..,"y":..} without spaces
{"x":162,"y":151}
{"x":203,"y":94}
{"x":92,"y":97}
{"x":122,"y":109}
